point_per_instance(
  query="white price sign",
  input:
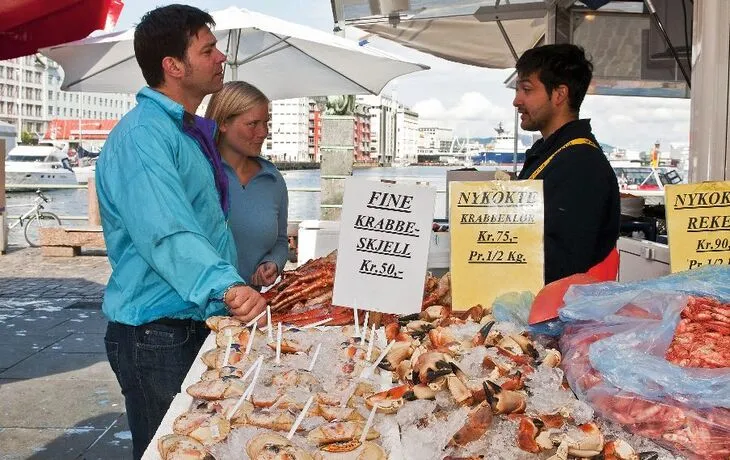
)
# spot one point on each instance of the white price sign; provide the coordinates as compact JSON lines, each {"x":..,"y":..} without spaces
{"x":383,"y":248}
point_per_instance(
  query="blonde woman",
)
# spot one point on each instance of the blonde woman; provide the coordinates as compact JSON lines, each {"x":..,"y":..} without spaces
{"x":258,"y":194}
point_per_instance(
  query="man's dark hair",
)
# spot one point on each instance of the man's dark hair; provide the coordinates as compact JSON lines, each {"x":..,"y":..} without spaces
{"x":556,"y":65}
{"x":163,"y":32}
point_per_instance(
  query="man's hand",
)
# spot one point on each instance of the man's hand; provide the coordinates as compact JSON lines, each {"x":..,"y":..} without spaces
{"x":265,"y":275}
{"x":244,"y":302}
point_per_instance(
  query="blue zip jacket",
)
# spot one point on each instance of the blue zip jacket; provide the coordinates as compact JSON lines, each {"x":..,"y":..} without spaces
{"x":167,"y":240}
{"x":258,"y":218}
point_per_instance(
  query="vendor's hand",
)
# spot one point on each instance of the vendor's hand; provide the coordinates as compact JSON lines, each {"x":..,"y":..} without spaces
{"x":265,"y":275}
{"x":244,"y":303}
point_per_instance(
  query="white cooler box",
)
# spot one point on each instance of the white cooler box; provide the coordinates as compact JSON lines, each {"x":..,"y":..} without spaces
{"x":317,"y":238}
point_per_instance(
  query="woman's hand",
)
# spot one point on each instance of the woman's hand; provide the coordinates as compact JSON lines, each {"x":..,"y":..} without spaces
{"x":265,"y":275}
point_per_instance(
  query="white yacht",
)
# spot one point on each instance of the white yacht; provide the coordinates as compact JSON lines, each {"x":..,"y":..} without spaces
{"x":28,"y":167}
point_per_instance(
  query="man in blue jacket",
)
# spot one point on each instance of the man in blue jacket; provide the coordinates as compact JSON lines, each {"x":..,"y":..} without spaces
{"x":163,"y":199}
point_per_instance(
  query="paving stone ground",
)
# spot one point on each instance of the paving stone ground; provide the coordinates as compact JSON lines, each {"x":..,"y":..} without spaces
{"x":59,"y":398}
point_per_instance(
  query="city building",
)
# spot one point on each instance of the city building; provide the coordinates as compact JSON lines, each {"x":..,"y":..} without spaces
{"x":382,"y":126}
{"x":315,"y":131}
{"x":362,"y":134}
{"x":289,"y":130}
{"x":407,"y":136}
{"x":30,"y":96}
{"x":433,"y":140}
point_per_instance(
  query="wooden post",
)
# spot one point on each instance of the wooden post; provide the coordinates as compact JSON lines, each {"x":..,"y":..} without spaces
{"x":94,"y":217}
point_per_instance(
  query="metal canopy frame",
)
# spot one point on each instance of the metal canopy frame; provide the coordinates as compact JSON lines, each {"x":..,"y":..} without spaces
{"x":496,"y":11}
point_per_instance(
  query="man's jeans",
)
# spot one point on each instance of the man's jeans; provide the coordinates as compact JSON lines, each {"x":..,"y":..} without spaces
{"x":150,"y":362}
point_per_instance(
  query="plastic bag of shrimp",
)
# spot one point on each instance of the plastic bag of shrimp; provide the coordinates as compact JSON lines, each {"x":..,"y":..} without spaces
{"x":621,"y":348}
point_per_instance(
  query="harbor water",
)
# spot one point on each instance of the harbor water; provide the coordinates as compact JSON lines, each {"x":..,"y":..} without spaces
{"x":303,"y":205}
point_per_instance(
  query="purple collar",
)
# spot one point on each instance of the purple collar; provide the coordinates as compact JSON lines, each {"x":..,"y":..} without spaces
{"x":202,"y":130}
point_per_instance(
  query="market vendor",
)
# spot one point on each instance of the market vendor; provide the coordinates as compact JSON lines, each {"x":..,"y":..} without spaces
{"x":163,"y":200}
{"x":259,"y":198}
{"x":582,"y":204}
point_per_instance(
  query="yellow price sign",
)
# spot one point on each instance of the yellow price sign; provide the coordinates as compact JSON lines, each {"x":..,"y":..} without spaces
{"x":698,"y":224}
{"x":496,"y":240}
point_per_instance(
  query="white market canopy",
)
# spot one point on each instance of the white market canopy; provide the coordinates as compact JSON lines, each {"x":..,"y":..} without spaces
{"x":281,"y":58}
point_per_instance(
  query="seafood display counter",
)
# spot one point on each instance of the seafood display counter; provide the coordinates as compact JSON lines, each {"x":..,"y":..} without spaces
{"x":430,"y":386}
{"x":463,"y":385}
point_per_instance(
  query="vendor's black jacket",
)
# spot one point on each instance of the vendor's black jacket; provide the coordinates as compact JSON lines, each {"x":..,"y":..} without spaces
{"x":582,"y":204}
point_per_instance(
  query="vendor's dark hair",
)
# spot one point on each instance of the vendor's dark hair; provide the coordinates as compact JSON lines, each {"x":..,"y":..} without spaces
{"x":556,"y":65}
{"x":163,"y":32}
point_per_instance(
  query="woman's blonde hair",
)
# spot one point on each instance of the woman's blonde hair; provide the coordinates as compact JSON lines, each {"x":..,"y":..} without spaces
{"x":235,"y":98}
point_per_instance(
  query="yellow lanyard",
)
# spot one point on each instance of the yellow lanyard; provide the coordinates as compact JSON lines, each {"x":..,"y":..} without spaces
{"x":580,"y":140}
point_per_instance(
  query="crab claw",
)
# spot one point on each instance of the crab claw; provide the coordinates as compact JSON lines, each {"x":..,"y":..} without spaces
{"x":527,"y":433}
{"x":504,"y":401}
{"x":405,"y":319}
{"x":477,"y":423}
{"x":430,"y":366}
{"x":482,"y":334}
{"x":399,"y":353}
{"x":552,"y":358}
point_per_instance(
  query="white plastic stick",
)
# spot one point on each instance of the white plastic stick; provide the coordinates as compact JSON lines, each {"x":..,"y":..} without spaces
{"x":227,"y":354}
{"x":314,"y":358}
{"x":278,"y":344}
{"x":318,"y":323}
{"x":368,"y":371}
{"x":364,"y":328}
{"x":357,"y":322}
{"x":300,"y":418}
{"x":383,"y":353}
{"x":251,"y":336}
{"x":255,"y":320}
{"x":370,"y":343}
{"x":269,"y":328}
{"x":253,"y":367}
{"x":364,"y":435}
{"x":249,"y":391}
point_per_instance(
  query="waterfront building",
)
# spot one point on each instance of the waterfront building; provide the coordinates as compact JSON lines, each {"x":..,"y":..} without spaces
{"x":31,"y":96}
{"x":383,"y":111}
{"x":433,"y":140}
{"x":289,"y":130}
{"x":407,"y":136}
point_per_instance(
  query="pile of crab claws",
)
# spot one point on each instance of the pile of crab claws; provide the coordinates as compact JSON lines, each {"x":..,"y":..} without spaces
{"x":403,"y":320}
{"x":482,"y":334}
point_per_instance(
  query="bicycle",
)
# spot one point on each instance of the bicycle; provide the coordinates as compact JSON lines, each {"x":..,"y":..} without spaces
{"x":36,"y":218}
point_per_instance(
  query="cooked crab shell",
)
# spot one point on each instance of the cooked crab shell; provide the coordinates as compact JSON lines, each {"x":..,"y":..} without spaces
{"x":216,"y":323}
{"x":206,"y":428}
{"x":342,"y":414}
{"x":271,"y":446}
{"x":291,"y":346}
{"x":213,"y":359}
{"x":294,"y":378}
{"x":366,"y":451}
{"x":181,"y":447}
{"x":282,"y":421}
{"x":338,"y":432}
{"x":223,"y":372}
{"x":238,"y":335}
{"x":388,"y":401}
{"x":216,"y":389}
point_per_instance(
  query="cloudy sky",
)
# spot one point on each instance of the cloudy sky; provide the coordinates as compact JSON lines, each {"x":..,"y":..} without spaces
{"x":471,"y":100}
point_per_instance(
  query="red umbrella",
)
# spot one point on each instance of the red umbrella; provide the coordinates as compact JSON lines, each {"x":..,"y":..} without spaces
{"x":26,"y":25}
